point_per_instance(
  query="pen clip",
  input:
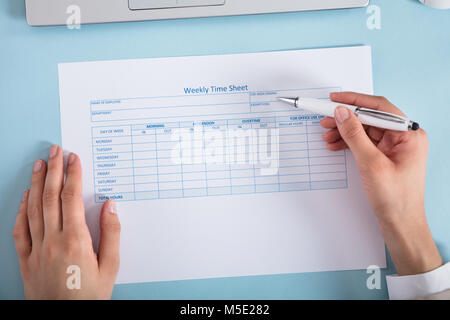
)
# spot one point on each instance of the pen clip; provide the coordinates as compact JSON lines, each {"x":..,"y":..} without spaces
{"x":381,"y":115}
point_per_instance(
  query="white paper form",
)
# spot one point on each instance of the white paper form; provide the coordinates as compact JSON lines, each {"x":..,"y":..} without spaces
{"x":185,"y":216}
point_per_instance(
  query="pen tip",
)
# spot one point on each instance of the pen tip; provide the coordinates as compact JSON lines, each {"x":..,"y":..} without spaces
{"x":415,"y":126}
{"x":287,"y":100}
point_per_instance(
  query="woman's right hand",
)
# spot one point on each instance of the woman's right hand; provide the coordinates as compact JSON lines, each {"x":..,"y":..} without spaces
{"x":392,"y":165}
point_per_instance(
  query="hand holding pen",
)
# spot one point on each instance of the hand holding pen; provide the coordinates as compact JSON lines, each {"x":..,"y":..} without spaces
{"x":367,"y":116}
{"x":392,"y":165}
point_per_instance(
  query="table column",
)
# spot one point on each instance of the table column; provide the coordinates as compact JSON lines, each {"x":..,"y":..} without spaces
{"x":327,"y":168}
{"x":112,"y":163}
{"x":145,"y":163}
{"x":267,"y":150}
{"x":294,"y":161}
{"x":240,"y":146}
{"x":170,"y":179}
{"x":192,"y":165}
{"x":218,"y":174}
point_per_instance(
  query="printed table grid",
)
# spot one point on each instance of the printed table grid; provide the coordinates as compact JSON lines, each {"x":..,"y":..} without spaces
{"x":135,"y":161}
{"x":132,"y":175}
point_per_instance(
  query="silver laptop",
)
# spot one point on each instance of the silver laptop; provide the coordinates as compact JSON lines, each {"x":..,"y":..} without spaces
{"x":60,"y":12}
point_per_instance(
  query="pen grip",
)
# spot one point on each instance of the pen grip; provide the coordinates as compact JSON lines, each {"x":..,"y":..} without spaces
{"x":381,"y":123}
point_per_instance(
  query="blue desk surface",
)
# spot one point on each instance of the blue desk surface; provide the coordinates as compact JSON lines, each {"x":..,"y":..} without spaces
{"x":411,"y":63}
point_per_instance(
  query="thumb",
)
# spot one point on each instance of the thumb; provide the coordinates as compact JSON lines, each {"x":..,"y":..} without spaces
{"x":355,"y":136}
{"x":108,"y":253}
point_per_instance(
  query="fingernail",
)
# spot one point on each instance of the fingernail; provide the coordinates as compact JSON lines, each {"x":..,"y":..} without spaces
{"x":341,"y":114}
{"x":112,"y":208}
{"x":333,"y":94}
{"x":37,"y":166}
{"x":53,"y":151}
{"x":25,"y":195}
{"x":71,"y":158}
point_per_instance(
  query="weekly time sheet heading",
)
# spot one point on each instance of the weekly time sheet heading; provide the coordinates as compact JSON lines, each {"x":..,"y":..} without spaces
{"x":216,"y":89}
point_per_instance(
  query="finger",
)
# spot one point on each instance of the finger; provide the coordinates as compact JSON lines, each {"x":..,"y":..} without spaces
{"x":52,"y":191}
{"x":376,"y":134}
{"x":108,"y":254}
{"x":71,"y":196}
{"x":352,"y":132}
{"x":328,"y":123}
{"x":365,"y":101}
{"x":34,"y":206}
{"x":337,"y":146}
{"x":21,"y":232}
{"x":331,"y":136}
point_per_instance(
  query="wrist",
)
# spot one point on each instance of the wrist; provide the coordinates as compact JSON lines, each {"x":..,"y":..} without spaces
{"x":410,"y":243}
